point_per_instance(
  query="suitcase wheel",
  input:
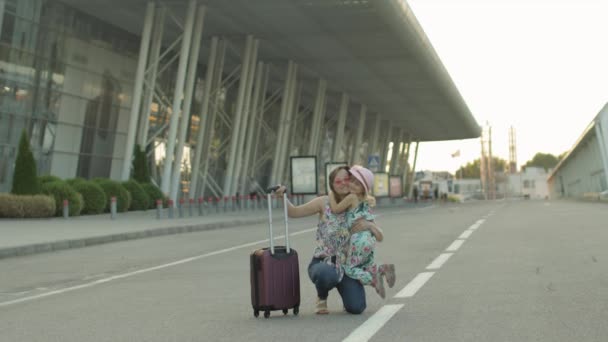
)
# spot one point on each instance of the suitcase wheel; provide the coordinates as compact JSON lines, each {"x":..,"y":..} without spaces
{"x":256,"y":313}
{"x":296,"y":310}
{"x":266,"y":314}
{"x":285,"y":311}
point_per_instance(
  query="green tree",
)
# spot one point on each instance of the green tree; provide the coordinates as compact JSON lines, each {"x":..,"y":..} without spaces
{"x":544,"y":160}
{"x":25,"y":180}
{"x":141,"y":173}
{"x":473,"y":169}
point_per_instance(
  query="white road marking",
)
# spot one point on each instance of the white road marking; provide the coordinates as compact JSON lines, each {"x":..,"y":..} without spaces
{"x":368,"y":329}
{"x":454,"y":246}
{"x":145,"y":270}
{"x":410,"y":289}
{"x":439,"y":261}
{"x":465,"y":234}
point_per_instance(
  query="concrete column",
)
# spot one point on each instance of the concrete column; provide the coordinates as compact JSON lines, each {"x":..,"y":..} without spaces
{"x":253,"y":125}
{"x":356,"y":157}
{"x":216,"y":85}
{"x":259,"y":119}
{"x":238,"y":117}
{"x":338,"y":139}
{"x":406,"y":168}
{"x":157,"y":38}
{"x":413,"y":172}
{"x":244,"y":123}
{"x":375,"y":141}
{"x":290,"y":115}
{"x":601,"y":139}
{"x":137,"y":90}
{"x":2,"y":3}
{"x":284,"y":106}
{"x":186,"y":113}
{"x":317,"y":112}
{"x":398,"y":138}
{"x":177,"y":97}
{"x":384,"y":147}
{"x":321,"y":127}
{"x":202,"y":128}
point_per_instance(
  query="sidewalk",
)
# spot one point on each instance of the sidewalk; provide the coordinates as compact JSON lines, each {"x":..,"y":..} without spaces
{"x":19,"y":237}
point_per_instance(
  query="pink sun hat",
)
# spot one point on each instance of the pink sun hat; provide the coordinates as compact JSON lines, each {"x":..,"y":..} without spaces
{"x":363,"y":175}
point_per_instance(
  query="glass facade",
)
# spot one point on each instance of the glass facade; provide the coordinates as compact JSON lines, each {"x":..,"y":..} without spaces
{"x":66,"y":78}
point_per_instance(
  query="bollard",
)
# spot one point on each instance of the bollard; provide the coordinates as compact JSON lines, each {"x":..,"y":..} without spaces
{"x":170,"y":205}
{"x":159,"y":209}
{"x":225,"y":203}
{"x":233,"y":203}
{"x":209,"y":204}
{"x":190,"y":206}
{"x":241,"y":202}
{"x":181,"y":207}
{"x":66,"y":209}
{"x":217,"y":204}
{"x":201,"y":203}
{"x":113,"y":207}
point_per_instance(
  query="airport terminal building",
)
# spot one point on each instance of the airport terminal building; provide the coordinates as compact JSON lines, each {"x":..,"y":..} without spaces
{"x":220,"y":94}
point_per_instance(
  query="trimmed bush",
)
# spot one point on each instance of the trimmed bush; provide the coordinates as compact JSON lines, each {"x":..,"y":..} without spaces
{"x":48,"y":179}
{"x":141,"y":173}
{"x":25,"y":181}
{"x":23,"y":206}
{"x":93,"y":195}
{"x":154,"y":193}
{"x":62,"y":191}
{"x":114,"y":189}
{"x":139,"y":198}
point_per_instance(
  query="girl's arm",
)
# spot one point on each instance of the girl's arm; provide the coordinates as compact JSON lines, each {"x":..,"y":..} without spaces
{"x":308,"y":209}
{"x":362,"y":225}
{"x":349,"y":201}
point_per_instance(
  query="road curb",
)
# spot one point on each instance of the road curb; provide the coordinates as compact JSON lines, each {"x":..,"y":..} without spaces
{"x":38,"y":248}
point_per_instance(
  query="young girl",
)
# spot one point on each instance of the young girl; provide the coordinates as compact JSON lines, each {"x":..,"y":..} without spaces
{"x":360,"y":262}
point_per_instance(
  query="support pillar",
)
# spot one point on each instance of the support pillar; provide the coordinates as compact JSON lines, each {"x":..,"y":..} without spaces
{"x":177,"y":97}
{"x":356,"y":156}
{"x":144,"y":121}
{"x":406,"y":167}
{"x":397,"y":138}
{"x":202,"y":128}
{"x":186,"y":114}
{"x":259,"y":120}
{"x":384,"y":147}
{"x":245,"y":127}
{"x":253,"y":124}
{"x":338,"y":139}
{"x":290,"y":114}
{"x":413,"y":173}
{"x":284,"y":107}
{"x":137,"y":90}
{"x":238,"y":117}
{"x":214,"y":98}
{"x":374,"y":146}
{"x":2,"y":4}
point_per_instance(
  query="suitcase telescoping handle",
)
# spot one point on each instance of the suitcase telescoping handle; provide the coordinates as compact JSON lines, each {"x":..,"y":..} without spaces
{"x":269,"y":196}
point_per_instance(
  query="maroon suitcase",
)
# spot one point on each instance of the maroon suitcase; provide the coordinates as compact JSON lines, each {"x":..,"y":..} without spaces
{"x":275,"y":274}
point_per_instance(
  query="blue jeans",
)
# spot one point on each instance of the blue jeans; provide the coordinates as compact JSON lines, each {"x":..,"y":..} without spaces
{"x":325,"y":278}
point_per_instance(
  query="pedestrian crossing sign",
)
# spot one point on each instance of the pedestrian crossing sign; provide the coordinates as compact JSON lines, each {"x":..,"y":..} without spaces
{"x":373,"y":163}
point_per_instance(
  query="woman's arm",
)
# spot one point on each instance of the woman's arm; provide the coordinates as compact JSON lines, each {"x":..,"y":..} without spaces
{"x":308,"y":209}
{"x":362,"y":225}
{"x":348,"y":202}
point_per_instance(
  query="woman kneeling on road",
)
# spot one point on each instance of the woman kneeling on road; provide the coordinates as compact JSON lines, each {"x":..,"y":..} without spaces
{"x":332,"y":241}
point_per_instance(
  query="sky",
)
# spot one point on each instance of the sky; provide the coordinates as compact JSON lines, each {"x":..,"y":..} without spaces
{"x":540,"y":66}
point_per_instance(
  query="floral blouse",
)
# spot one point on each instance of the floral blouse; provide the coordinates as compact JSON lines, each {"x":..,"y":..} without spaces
{"x":333,"y":237}
{"x":363,"y":210}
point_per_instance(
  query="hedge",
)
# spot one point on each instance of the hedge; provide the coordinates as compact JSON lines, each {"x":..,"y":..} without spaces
{"x":48,"y":179}
{"x":139,"y":198}
{"x":62,"y":191}
{"x":154,"y":193}
{"x":23,"y":206}
{"x":94,"y":197}
{"x":114,"y":189}
{"x":25,"y":180}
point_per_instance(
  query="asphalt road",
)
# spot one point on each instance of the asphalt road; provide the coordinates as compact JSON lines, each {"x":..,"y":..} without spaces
{"x":497,"y":271}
